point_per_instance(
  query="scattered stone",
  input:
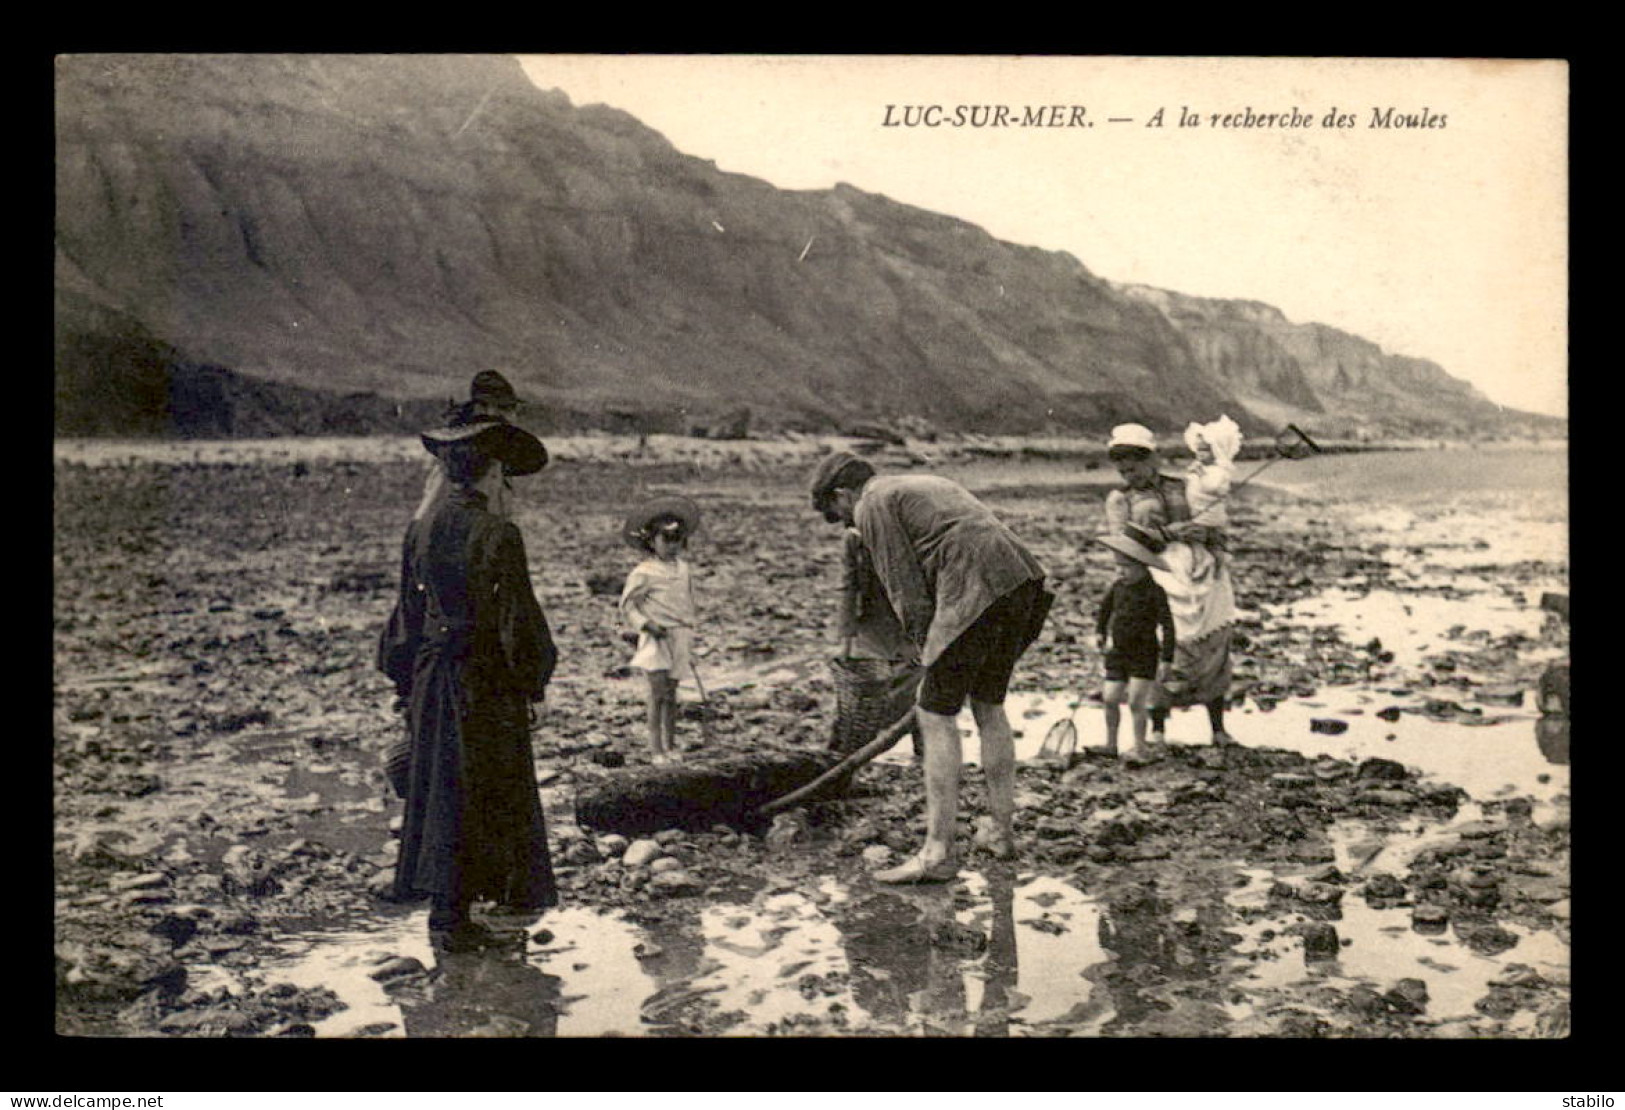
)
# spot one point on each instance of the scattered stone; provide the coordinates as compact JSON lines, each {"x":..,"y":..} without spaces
{"x":146,"y":898}
{"x":1519,"y":810}
{"x":787,"y":829}
{"x":958,"y":938}
{"x":151,"y":880}
{"x":1306,"y":891}
{"x":1391,"y":713}
{"x":1329,"y":770}
{"x":1486,"y":940}
{"x":396,"y":968}
{"x":238,"y":924}
{"x":1366,"y":1002}
{"x":175,"y":928}
{"x":1320,"y":941}
{"x":1053,"y":828}
{"x":1446,"y":797}
{"x":613,"y":846}
{"x":1328,"y":725}
{"x":1383,"y":886}
{"x":1319,"y":892}
{"x":673,"y":882}
{"x":1553,"y":1021}
{"x":1389,"y":797}
{"x":579,"y":852}
{"x":1408,"y":996}
{"x":1382,"y":769}
{"x":1560,"y":910}
{"x":1302,"y":1026}
{"x":1291,"y":778}
{"x":543,"y":937}
{"x":1518,"y":975}
{"x":501,"y":1025}
{"x":640,"y":853}
{"x":214,"y":1021}
{"x":1312,"y":851}
{"x":876,"y":855}
{"x":1430,"y":915}
{"x":665,"y":863}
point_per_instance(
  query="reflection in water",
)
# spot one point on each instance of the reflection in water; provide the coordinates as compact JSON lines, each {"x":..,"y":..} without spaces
{"x":990,"y":957}
{"x":482,"y":994}
{"x":908,"y":952}
{"x":940,"y":1007}
{"x":888,"y":952}
{"x":1131,"y":930}
{"x":1552,"y":734}
{"x":999,"y":969}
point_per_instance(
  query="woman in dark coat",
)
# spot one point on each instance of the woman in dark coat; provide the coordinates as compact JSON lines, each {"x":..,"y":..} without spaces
{"x":469,"y":650}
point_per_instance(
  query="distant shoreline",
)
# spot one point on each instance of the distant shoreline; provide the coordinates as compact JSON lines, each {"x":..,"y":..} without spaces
{"x":657,"y":449}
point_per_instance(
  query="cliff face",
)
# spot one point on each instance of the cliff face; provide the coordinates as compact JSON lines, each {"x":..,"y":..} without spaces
{"x":389,"y":225}
{"x":1319,"y":376}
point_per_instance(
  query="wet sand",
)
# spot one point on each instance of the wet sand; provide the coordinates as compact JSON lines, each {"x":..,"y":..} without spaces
{"x":222,"y":822}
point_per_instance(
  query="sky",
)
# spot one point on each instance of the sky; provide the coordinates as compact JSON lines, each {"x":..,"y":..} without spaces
{"x":1446,"y":242}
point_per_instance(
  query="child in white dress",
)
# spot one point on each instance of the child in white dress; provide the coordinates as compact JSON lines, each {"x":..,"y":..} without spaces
{"x":1207,"y":482}
{"x":658,"y":604}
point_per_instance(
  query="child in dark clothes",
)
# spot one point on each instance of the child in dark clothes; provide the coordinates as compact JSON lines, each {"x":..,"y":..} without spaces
{"x":1132,"y":613}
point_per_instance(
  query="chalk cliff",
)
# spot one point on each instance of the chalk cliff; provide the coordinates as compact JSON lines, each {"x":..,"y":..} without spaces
{"x":323,"y":242}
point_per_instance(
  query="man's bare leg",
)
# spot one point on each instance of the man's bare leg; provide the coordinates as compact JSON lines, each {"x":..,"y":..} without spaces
{"x":935,"y":861}
{"x":943,"y":758}
{"x":999,"y":771}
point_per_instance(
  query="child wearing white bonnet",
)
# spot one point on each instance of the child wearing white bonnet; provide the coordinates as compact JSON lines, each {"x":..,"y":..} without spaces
{"x":1207,"y":482}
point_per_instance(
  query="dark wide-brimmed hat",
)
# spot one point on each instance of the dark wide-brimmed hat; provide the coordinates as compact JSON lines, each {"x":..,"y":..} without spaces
{"x":517,"y":450}
{"x":491,"y":388}
{"x":837,"y":470}
{"x":679,"y":515}
{"x":1133,"y":548}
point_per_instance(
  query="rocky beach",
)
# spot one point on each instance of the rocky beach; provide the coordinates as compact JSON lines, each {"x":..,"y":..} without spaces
{"x":1386,"y":856}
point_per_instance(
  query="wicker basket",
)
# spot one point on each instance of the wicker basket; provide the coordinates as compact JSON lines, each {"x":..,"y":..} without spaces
{"x":398,"y":765}
{"x":870,"y":695}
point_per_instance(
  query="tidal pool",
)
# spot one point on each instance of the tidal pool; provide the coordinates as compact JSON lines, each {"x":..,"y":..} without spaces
{"x":995,"y":954}
{"x":1380,"y":946}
